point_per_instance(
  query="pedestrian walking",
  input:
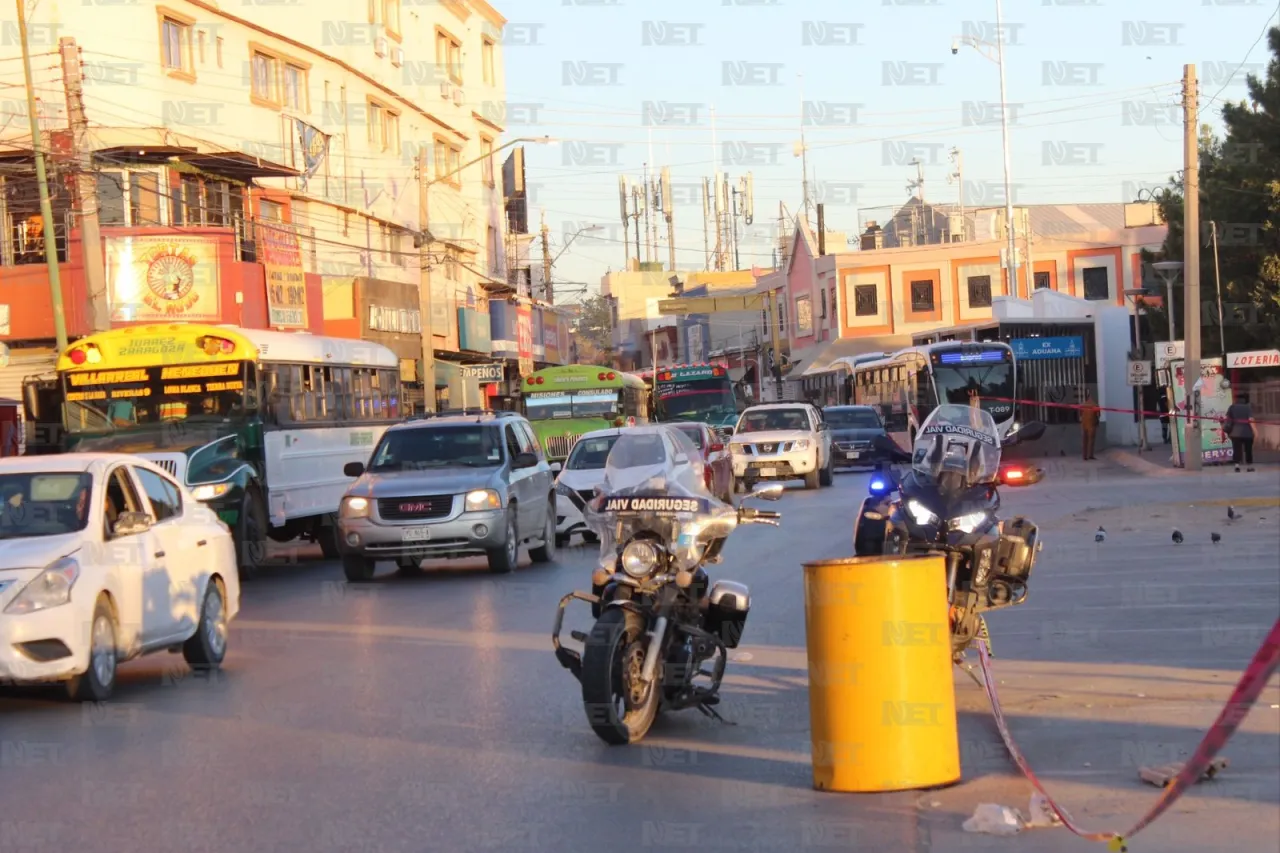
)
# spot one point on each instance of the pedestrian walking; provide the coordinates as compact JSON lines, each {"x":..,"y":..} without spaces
{"x":1162,"y":405}
{"x":1089,"y":417}
{"x":1238,"y":425}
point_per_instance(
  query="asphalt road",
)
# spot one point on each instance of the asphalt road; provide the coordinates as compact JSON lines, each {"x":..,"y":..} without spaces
{"x":428,"y":713}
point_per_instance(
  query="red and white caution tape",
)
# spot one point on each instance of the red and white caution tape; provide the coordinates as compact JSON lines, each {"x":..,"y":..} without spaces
{"x":1250,"y":686}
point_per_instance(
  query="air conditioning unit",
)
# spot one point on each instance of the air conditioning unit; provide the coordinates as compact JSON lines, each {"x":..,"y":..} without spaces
{"x":446,"y":90}
{"x":380,"y":46}
{"x":458,"y":97}
{"x":397,"y":56}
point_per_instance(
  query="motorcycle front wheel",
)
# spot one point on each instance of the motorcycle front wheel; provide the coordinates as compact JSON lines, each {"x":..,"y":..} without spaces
{"x":619,"y":707}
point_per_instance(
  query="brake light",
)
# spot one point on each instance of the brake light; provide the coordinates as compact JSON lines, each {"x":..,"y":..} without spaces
{"x":1014,"y":474}
{"x":618,"y":421}
{"x":539,"y":380}
{"x":530,"y":380}
{"x":599,"y":377}
{"x":612,"y":376}
{"x":78,"y":357}
{"x":706,"y":475}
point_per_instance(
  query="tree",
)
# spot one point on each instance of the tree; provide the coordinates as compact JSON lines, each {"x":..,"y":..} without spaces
{"x":594,"y":333}
{"x":1240,"y":192}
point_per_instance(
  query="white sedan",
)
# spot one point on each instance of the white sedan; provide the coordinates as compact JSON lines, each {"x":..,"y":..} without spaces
{"x":103,"y":558}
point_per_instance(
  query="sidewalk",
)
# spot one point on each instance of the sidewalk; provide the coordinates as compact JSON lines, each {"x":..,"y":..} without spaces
{"x":1158,"y":462}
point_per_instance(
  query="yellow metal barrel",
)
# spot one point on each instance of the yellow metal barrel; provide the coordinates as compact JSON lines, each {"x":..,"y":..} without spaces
{"x":882,"y":707}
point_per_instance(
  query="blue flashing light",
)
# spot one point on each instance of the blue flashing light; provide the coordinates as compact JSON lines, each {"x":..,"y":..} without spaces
{"x":877,"y":485}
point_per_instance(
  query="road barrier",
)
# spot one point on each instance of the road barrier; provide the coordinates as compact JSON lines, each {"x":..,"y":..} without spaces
{"x":1247,"y":690}
{"x":882,"y":707}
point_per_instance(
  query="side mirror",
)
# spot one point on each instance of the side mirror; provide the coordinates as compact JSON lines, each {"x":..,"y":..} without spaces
{"x":525,"y":460}
{"x":353,"y":469}
{"x":1031,"y":431}
{"x":556,"y":467}
{"x":681,"y":459}
{"x":131,"y":524}
{"x":768,"y":492}
{"x":883,"y":442}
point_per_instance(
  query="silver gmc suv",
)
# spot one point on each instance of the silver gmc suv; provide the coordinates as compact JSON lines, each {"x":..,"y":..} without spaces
{"x":450,"y":486}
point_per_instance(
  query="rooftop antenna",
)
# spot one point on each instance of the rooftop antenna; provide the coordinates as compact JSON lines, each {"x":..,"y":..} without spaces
{"x":802,"y":152}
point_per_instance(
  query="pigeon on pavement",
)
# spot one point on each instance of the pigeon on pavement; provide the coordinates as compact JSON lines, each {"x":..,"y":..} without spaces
{"x":1215,"y":538}
{"x":1232,"y":514}
{"x":1100,"y":535}
{"x":1177,"y":537}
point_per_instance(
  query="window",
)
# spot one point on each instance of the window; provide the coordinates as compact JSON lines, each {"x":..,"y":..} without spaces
{"x":1042,"y":281}
{"x":449,"y":55}
{"x":271,"y":211}
{"x":217,"y":44}
{"x":1097,"y":285}
{"x":144,"y":198}
{"x":486,"y":165}
{"x":121,"y":497}
{"x":376,"y":125}
{"x":295,"y":88}
{"x":822,"y":305}
{"x":200,"y":45}
{"x":513,"y":443}
{"x":175,"y":45}
{"x":487,"y":52}
{"x":491,"y":247}
{"x":452,"y":264}
{"x":111,"y":198}
{"x":263,"y":68}
{"x":391,"y":17}
{"x":922,"y":296}
{"x":804,"y":316}
{"x":390,"y":130}
{"x":866,"y":301}
{"x":166,"y":502}
{"x":448,"y":159}
{"x":979,"y":291}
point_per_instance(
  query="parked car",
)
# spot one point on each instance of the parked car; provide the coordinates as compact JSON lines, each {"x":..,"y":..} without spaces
{"x":782,"y":441}
{"x":103,"y":558}
{"x":449,"y":487}
{"x":584,"y":471}
{"x":853,"y":432}
{"x":718,"y":474}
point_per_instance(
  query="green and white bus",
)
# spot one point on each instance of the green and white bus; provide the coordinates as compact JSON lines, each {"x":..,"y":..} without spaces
{"x":565,"y":403}
{"x":693,"y":393}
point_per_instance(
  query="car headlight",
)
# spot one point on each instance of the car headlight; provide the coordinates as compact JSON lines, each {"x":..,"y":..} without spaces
{"x":482,"y":499}
{"x":737,"y":447}
{"x":355,"y":508}
{"x":640,"y":558}
{"x":210,"y":491}
{"x":969,"y":522}
{"x":921,"y":513}
{"x":50,"y":588}
{"x":802,"y":444}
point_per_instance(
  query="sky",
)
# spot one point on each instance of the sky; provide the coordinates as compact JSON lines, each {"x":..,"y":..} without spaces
{"x":1093,"y":94}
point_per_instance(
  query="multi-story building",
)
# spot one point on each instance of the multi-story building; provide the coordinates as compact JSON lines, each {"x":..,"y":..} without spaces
{"x":213,"y":127}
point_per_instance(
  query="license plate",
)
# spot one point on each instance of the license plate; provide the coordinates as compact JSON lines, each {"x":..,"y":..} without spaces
{"x":768,"y":472}
{"x":853,"y":454}
{"x":415,"y":534}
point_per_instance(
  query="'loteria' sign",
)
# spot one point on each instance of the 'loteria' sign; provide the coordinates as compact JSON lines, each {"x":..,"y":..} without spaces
{"x":1254,"y":358}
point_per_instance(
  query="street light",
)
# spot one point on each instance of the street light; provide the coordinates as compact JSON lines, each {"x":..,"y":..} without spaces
{"x":574,"y":236}
{"x":979,"y":46}
{"x":548,"y":262}
{"x":1137,"y":293}
{"x":1169,"y":272}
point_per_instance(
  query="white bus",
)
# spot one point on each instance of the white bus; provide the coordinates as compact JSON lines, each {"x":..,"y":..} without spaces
{"x":911,"y":383}
{"x":259,"y":424}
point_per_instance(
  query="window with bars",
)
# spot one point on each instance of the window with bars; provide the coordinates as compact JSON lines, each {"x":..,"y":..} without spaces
{"x":1042,"y":280}
{"x":1097,"y":285}
{"x":922,"y":297}
{"x":866,"y":300}
{"x":979,"y":291}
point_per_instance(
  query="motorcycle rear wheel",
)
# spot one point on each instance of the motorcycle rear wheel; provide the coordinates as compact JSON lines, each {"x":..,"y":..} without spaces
{"x":618,"y":709}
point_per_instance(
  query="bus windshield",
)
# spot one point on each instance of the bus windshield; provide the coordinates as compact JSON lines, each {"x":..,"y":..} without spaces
{"x":956,"y":382}
{"x":708,"y":400}
{"x":111,"y":400}
{"x":555,"y":405}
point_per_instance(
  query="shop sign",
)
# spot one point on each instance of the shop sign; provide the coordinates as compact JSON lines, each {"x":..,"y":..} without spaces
{"x":1254,"y":358}
{"x":473,"y":330}
{"x":405,"y":321}
{"x":524,"y":329}
{"x":162,"y":279}
{"x":281,"y":257}
{"x":484,"y":373}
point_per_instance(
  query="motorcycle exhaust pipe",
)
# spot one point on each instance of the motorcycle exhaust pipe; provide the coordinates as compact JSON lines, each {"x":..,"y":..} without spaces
{"x":655,"y":649}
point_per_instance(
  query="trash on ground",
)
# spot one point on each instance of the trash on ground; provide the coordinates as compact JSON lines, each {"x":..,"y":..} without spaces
{"x":1041,"y":813}
{"x":994,"y":819}
{"x":1164,"y":775}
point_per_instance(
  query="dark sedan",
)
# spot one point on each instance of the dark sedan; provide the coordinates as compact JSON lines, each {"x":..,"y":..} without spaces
{"x":853,"y":431}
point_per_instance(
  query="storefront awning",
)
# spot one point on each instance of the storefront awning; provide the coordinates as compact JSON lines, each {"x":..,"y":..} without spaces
{"x":850,"y":347}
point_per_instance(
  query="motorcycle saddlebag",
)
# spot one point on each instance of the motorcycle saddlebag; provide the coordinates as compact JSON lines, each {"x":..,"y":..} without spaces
{"x":868,"y":534}
{"x":1016,"y":553}
{"x":727,"y":609}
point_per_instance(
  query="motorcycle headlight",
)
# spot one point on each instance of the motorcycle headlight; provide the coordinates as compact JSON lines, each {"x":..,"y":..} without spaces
{"x":50,"y":588}
{"x":482,"y":499}
{"x":640,"y":558}
{"x":969,"y":522}
{"x":921,"y":513}
{"x":210,"y":491}
{"x":354,"y":507}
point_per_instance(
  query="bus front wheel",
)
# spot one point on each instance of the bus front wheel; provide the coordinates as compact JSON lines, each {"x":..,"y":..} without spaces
{"x":251,"y":534}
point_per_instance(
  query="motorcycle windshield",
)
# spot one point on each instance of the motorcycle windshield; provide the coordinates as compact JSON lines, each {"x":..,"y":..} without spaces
{"x":654,"y":487}
{"x":958,"y":444}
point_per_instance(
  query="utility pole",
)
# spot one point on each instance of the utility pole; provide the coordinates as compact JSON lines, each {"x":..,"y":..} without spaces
{"x":1004,"y":135}
{"x":424,"y":286}
{"x":706,"y":215}
{"x":804,"y":153}
{"x":86,"y":188}
{"x":626,"y":230}
{"x":46,"y":208}
{"x":957,"y":177}
{"x":1217,"y":283}
{"x":648,"y":228}
{"x":670,"y":213}
{"x":1191,"y":264}
{"x":547,"y":293}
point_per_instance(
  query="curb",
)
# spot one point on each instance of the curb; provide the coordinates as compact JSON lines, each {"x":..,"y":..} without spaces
{"x":1139,"y":465}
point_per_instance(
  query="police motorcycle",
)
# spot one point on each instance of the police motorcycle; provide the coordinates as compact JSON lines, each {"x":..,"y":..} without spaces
{"x":662,"y":630}
{"x":947,"y":502}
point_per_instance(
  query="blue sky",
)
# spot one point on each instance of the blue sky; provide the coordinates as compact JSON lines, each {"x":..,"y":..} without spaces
{"x":1093,"y":89}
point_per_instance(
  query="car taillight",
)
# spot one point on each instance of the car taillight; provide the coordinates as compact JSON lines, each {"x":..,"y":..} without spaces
{"x":706,"y":475}
{"x":78,"y":357}
{"x":1014,"y":474}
